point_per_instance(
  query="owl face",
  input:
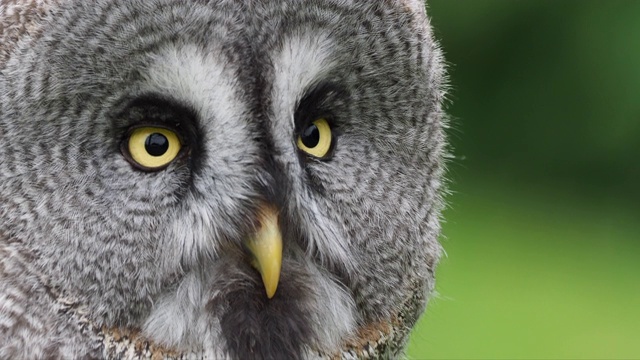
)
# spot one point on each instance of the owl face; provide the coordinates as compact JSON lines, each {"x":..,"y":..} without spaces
{"x":234,"y":177}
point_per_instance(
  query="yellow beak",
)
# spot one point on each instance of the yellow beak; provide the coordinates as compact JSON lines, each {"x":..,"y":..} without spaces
{"x":266,"y":248}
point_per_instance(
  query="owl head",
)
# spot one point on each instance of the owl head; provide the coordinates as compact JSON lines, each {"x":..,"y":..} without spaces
{"x":241,"y":179}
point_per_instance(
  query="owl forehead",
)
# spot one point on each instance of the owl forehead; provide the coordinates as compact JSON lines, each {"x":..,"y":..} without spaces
{"x":304,"y":60}
{"x":203,"y":80}
{"x":212,"y":49}
{"x":284,"y":52}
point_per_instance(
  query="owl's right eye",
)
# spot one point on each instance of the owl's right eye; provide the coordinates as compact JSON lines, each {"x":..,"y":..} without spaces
{"x":151,"y":148}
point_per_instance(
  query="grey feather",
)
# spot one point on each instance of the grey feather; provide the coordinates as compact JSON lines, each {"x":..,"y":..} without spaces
{"x":99,"y":258}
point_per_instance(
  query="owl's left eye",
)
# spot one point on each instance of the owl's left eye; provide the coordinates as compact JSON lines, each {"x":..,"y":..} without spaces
{"x":316,"y":139}
{"x":151,"y":148}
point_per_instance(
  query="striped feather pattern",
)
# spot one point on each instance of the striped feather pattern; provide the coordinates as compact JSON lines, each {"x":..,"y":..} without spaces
{"x":100,"y":259}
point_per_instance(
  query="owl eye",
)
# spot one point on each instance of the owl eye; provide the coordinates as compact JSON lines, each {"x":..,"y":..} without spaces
{"x":316,"y":138}
{"x":152,"y":148}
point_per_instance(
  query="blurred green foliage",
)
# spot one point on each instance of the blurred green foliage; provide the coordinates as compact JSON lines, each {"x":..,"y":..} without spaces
{"x":542,"y":233}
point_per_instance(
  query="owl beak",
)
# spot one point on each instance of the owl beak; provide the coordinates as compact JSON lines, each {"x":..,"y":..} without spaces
{"x":266,"y":247}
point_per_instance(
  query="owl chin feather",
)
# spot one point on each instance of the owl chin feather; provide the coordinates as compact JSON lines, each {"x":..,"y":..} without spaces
{"x":311,"y":311}
{"x":254,"y":326}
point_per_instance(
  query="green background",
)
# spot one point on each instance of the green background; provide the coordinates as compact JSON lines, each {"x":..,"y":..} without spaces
{"x":542,"y":231}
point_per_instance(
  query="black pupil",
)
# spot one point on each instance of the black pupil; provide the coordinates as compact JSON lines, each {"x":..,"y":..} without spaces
{"x":310,"y":136}
{"x":156,"y":144}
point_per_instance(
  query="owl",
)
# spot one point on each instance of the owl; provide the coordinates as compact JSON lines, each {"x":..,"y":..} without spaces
{"x":253,"y":179}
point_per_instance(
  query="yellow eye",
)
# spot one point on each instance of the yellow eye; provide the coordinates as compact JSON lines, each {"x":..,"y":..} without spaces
{"x":153,"y":148}
{"x":316,"y":138}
